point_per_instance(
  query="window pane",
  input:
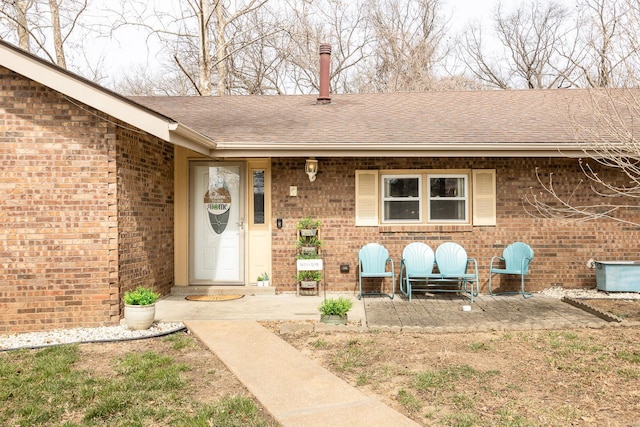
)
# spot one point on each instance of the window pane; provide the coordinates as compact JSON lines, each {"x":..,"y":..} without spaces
{"x":402,"y":210}
{"x":258,"y":197}
{"x":401,"y":187}
{"x":447,"y":209}
{"x":447,"y":187}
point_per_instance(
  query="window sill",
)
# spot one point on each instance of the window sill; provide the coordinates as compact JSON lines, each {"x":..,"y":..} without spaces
{"x":425,"y":228}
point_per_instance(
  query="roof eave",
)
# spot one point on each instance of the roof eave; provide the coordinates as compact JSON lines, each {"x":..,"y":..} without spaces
{"x":397,"y":150}
{"x":101,"y":99}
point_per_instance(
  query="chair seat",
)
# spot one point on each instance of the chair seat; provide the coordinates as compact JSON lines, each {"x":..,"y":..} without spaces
{"x":453,"y":276}
{"x":506,"y":271}
{"x":381,"y":274}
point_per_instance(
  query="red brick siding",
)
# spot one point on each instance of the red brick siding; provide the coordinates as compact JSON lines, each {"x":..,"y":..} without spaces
{"x":561,"y":249}
{"x":86,"y":211}
{"x":57,"y":211}
{"x":145,"y":212}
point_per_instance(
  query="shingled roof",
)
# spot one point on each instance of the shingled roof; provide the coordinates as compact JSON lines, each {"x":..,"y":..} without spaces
{"x":478,"y":123}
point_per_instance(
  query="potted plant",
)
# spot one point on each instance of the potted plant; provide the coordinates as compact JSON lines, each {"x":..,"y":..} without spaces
{"x":263,"y":279}
{"x":308,"y":226}
{"x":140,"y":307}
{"x":309,"y":245}
{"x":334,"y":310}
{"x":308,"y":278}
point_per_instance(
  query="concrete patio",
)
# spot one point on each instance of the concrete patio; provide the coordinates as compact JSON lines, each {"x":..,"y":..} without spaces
{"x":435,"y":312}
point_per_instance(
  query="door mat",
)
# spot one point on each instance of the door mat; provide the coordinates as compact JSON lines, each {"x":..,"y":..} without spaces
{"x":212,"y":297}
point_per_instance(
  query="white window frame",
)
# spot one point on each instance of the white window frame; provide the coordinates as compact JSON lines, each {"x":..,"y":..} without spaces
{"x":419,"y":198}
{"x":481,"y":195}
{"x":466,"y":198}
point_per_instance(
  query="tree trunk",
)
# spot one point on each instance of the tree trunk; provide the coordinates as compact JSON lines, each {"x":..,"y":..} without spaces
{"x":221,"y":49}
{"x":57,"y":33}
{"x":22,"y":7}
{"x":205,"y":55}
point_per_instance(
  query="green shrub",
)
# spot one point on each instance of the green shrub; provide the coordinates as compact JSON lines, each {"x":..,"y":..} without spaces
{"x":309,"y":276}
{"x":141,"y":296}
{"x":336,"y":306}
{"x":308,"y":223}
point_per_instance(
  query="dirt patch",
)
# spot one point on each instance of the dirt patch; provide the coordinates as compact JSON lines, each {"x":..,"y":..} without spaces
{"x":577,"y":377}
{"x":624,"y":309}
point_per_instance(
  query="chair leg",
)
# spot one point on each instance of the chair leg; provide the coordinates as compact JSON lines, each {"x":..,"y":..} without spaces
{"x":525,"y":295}
{"x":393,"y":286}
{"x":490,"y":290}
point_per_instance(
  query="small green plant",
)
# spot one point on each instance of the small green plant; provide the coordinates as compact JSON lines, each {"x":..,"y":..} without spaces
{"x":307,"y":242}
{"x":335,"y":306}
{"x":307,"y":255}
{"x":308,"y":223}
{"x":141,"y":296}
{"x":320,"y":343}
{"x":309,"y":276}
{"x":409,"y":401}
{"x":263,"y":277}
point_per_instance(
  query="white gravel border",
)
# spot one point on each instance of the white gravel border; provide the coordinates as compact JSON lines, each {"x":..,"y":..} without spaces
{"x":558,"y":292}
{"x":120,"y":333}
{"x":83,"y":335}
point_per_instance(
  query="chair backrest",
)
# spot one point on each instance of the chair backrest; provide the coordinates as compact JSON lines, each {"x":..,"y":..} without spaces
{"x":373,"y":258}
{"x":451,"y":259}
{"x":418,"y":259}
{"x":514,"y":254}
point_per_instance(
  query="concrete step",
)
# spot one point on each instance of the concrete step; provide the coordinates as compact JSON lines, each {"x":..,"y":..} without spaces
{"x":222,"y":290}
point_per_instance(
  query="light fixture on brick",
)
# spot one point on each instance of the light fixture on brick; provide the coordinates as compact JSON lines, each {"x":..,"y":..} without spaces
{"x":311,"y":168}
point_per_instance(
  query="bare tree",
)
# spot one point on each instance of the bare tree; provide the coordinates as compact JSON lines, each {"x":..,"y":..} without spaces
{"x":200,"y":34}
{"x":607,"y":127}
{"x":335,"y":22}
{"x":38,"y":22}
{"x":531,"y":37}
{"x":407,"y":45}
{"x":608,"y":33}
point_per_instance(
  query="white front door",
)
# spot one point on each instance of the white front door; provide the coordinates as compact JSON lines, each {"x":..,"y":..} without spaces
{"x":216,"y":204}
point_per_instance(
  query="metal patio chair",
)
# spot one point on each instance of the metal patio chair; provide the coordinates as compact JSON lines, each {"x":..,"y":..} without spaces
{"x":516,"y":259}
{"x":416,"y":266}
{"x":373,"y":259}
{"x":453,"y":267}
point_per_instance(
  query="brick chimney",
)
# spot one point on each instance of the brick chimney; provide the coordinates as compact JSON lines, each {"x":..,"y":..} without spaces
{"x":325,"y":68}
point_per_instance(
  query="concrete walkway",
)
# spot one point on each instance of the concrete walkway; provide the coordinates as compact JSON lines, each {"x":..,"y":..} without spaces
{"x":296,"y":391}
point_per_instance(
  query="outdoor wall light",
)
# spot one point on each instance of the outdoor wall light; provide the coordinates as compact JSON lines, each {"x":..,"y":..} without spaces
{"x":311,"y":168}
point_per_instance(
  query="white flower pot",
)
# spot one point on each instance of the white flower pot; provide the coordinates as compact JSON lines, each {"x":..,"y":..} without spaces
{"x":139,"y":317}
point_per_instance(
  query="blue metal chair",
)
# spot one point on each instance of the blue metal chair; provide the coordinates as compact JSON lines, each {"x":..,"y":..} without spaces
{"x":372,"y":263}
{"x":516,"y":258}
{"x":453,"y":264}
{"x":416,"y":266}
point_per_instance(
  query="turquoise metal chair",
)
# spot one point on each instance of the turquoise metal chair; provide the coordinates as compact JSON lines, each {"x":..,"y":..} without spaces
{"x":453,"y":266}
{"x":373,"y":259}
{"x":516,"y":259}
{"x":416,"y":266}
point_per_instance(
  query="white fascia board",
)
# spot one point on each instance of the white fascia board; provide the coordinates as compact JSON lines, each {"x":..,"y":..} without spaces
{"x":404,"y":150}
{"x":182,"y":132}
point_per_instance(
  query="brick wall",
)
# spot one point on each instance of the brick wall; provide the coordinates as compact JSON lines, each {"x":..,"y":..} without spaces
{"x":58,"y":252}
{"x":86,"y":211}
{"x":561,"y":248}
{"x":145,"y":212}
